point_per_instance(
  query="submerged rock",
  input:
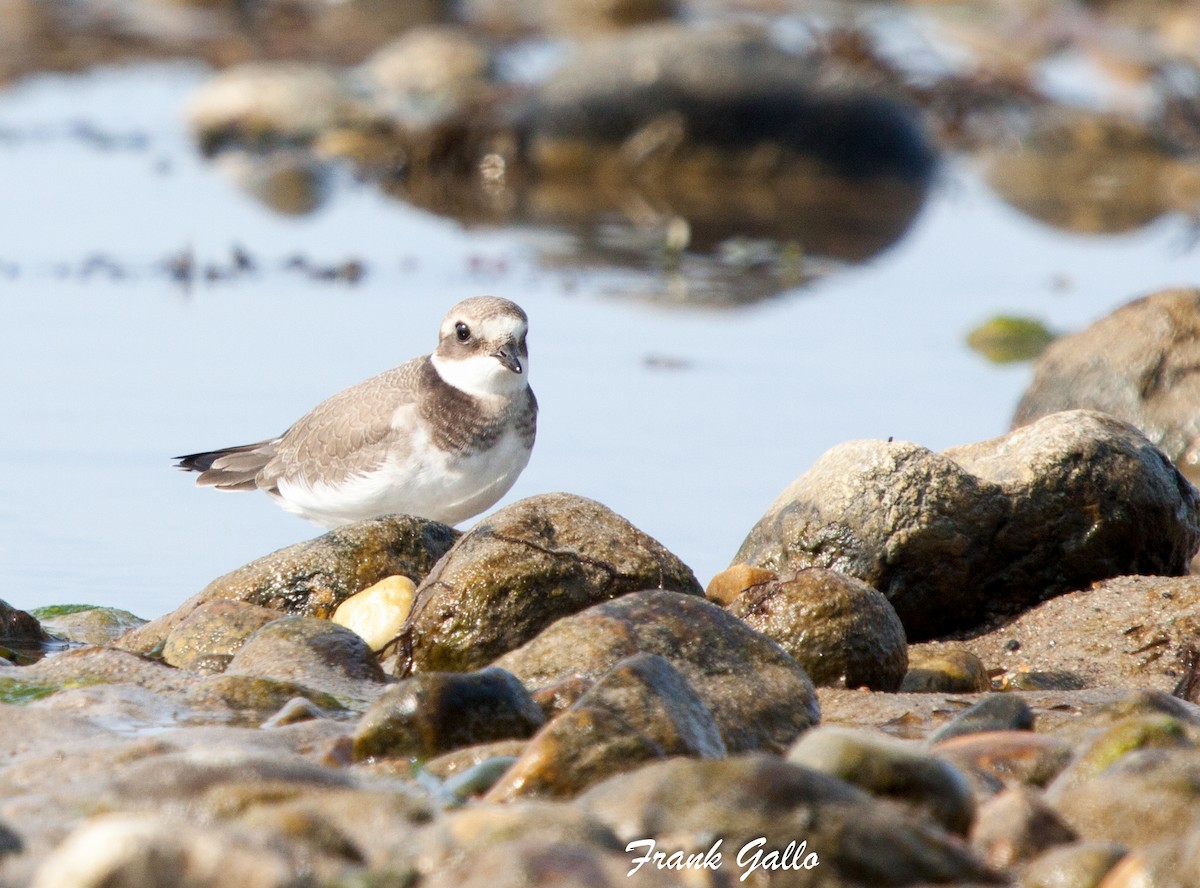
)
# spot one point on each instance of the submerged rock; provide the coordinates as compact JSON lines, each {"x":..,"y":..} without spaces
{"x":1000,"y":525}
{"x":842,"y":631}
{"x":524,"y":567}
{"x":314,"y":577}
{"x":1140,"y":363}
{"x":759,"y":696}
{"x":1077,"y":865}
{"x":435,"y":712}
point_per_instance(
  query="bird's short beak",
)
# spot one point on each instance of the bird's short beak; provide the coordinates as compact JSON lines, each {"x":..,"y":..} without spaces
{"x":508,"y":358}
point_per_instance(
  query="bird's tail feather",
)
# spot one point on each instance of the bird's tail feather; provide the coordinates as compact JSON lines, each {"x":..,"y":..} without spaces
{"x":231,"y":468}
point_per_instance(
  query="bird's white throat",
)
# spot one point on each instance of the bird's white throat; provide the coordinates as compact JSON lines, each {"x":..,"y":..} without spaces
{"x":481,"y":375}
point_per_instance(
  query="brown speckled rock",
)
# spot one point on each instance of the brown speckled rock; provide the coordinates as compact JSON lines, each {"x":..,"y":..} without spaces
{"x":217,"y":627}
{"x":1140,"y":363}
{"x":316,"y":653}
{"x":687,"y":803}
{"x":945,"y":670}
{"x":643,"y":709}
{"x":759,"y":696}
{"x":524,"y":567}
{"x":314,"y":577}
{"x":988,"y":527}
{"x":842,"y":631}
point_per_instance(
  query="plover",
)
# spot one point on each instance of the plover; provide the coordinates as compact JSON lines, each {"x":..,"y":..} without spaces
{"x":443,"y":436}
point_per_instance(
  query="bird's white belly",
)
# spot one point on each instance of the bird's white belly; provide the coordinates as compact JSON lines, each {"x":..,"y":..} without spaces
{"x":429,"y":482}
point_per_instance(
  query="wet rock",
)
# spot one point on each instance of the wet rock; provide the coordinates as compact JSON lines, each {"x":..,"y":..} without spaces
{"x":266,"y":103}
{"x":685,"y":803}
{"x":759,"y":697}
{"x":85,"y":623}
{"x":469,"y":832}
{"x":1173,"y":863}
{"x":1012,"y":757}
{"x":314,"y":577}
{"x":19,"y":630}
{"x":530,"y":862}
{"x":260,"y":695}
{"x":524,"y":567}
{"x":578,"y":17}
{"x":1079,"y":865}
{"x":427,"y":73}
{"x":890,"y":768}
{"x":1048,"y":508}
{"x":733,"y":581}
{"x":995,"y":712}
{"x":842,"y":631}
{"x":435,"y":712}
{"x":148,"y":851}
{"x":1088,"y":172}
{"x":1126,"y":632}
{"x":458,"y":761}
{"x":1149,"y":731}
{"x":946,"y":671}
{"x":1138,"y":364}
{"x":583,"y":746}
{"x":377,"y":612}
{"x":702,"y":87}
{"x":316,"y":653}
{"x":641,"y":710}
{"x":287,"y":181}
{"x":719,"y":123}
{"x":1016,"y":826}
{"x":1040,"y":680}
{"x":1148,"y":794}
{"x":219,"y":627}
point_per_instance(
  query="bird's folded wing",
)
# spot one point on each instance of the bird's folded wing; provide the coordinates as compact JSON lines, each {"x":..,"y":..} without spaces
{"x":350,"y":434}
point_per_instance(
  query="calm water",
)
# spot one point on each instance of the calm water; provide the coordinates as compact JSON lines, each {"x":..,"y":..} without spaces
{"x":110,"y":368}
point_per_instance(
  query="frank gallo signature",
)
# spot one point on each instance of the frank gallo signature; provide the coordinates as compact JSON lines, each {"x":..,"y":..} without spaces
{"x":750,"y":857}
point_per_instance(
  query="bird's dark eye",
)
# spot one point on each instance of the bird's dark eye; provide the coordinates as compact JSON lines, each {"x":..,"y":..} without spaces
{"x":462,"y":331}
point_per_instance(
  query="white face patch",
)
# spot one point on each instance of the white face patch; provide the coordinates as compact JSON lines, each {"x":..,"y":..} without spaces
{"x":469,"y":365}
{"x":481,"y":375}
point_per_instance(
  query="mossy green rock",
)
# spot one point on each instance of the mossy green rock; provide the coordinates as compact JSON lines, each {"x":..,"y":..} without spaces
{"x":85,"y":623}
{"x":1005,"y":340}
{"x":524,"y":567}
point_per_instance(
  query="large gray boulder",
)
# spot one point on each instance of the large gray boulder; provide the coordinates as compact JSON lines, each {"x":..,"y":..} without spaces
{"x":955,"y":537}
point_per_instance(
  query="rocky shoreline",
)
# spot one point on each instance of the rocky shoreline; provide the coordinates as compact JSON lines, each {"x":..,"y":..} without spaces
{"x":975,"y":667}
